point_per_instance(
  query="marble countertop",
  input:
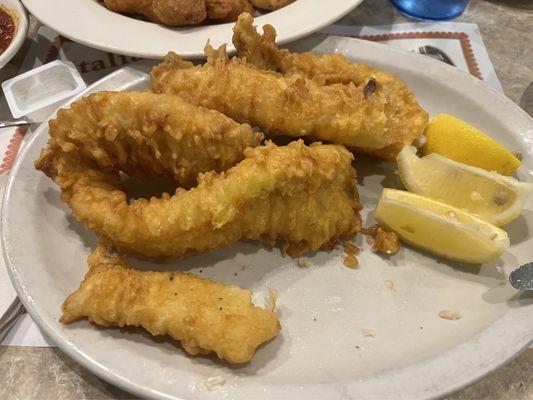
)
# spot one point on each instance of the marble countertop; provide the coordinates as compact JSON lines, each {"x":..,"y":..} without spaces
{"x":46,"y":373}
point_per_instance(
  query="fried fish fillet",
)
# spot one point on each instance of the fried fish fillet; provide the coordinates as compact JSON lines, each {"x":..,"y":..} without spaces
{"x":405,"y":119}
{"x":147,"y":134}
{"x":294,"y":106}
{"x":227,"y":10}
{"x":302,"y":198}
{"x":270,"y":5}
{"x":205,"y":316}
{"x":166,"y":12}
{"x":262,"y":51}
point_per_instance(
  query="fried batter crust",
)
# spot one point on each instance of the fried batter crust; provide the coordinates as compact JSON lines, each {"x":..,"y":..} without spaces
{"x":147,"y":134}
{"x":303,"y":198}
{"x":270,"y":5}
{"x":294,"y":106}
{"x":227,"y":10}
{"x":167,"y":12}
{"x":405,"y":119}
{"x":204,"y":315}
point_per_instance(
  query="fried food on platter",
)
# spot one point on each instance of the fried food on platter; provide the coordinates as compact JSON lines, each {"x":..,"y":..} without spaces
{"x":147,"y":134}
{"x":302,"y":198}
{"x":262,"y":51}
{"x":227,"y":10}
{"x":270,"y":4}
{"x":405,"y":119}
{"x":294,"y":106}
{"x":166,"y":12}
{"x":205,"y":316}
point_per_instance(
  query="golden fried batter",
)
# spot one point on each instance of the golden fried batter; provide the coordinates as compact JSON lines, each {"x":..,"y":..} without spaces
{"x":147,"y":134}
{"x":301,"y":197}
{"x":386,"y":242}
{"x":270,"y":4}
{"x":227,"y":10}
{"x":405,"y":119}
{"x":262,"y":51}
{"x":294,"y":106}
{"x":204,"y":315}
{"x":166,"y":12}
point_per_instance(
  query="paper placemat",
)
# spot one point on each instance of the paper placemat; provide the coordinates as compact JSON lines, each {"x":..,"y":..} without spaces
{"x":457,"y":44}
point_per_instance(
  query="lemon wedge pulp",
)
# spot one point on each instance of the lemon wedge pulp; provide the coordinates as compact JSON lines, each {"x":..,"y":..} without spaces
{"x":440,"y":228}
{"x":493,"y":197}
{"x":453,"y":138}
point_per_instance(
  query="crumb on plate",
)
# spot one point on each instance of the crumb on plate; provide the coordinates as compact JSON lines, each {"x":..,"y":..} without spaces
{"x":301,"y":263}
{"x":351,"y":248}
{"x":368,"y":333}
{"x":213,"y":381}
{"x":351,"y":261}
{"x":451,"y":315}
{"x":389,"y":284}
{"x":385,"y":241}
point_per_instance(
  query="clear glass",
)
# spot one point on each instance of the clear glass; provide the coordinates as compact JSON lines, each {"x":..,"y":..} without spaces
{"x":431,"y":9}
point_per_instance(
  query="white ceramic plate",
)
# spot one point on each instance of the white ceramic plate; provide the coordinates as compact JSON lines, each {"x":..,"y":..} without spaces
{"x":90,"y":23}
{"x":20,"y":35}
{"x":321,"y":352}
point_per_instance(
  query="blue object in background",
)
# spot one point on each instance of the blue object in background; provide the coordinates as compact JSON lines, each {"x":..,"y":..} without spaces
{"x":431,"y":9}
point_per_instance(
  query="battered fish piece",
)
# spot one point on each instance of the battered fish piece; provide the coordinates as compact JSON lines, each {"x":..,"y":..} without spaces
{"x":302,"y":198}
{"x":166,"y":12}
{"x":147,"y":134}
{"x":270,"y":5}
{"x":227,"y":10}
{"x":406,"y":120}
{"x":205,"y":316}
{"x":262,"y":51}
{"x":294,"y":106}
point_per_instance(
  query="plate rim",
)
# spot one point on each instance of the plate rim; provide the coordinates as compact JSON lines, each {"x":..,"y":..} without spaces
{"x":120,"y":381}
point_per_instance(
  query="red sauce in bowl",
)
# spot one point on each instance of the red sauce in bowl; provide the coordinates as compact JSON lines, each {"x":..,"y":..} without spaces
{"x":7,"y":29}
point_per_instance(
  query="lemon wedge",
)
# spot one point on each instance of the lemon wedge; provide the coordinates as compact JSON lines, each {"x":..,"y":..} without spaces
{"x":456,"y":139}
{"x":440,"y":228}
{"x":493,"y":197}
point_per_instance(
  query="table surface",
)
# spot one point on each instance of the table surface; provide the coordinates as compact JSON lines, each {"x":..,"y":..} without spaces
{"x":46,"y":373}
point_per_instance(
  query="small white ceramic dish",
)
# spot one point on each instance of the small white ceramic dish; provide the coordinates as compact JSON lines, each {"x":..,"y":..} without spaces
{"x":90,"y":23}
{"x":22,"y":30}
{"x":321,"y":352}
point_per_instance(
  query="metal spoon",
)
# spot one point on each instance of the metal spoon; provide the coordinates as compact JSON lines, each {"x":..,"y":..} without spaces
{"x":522,"y":277}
